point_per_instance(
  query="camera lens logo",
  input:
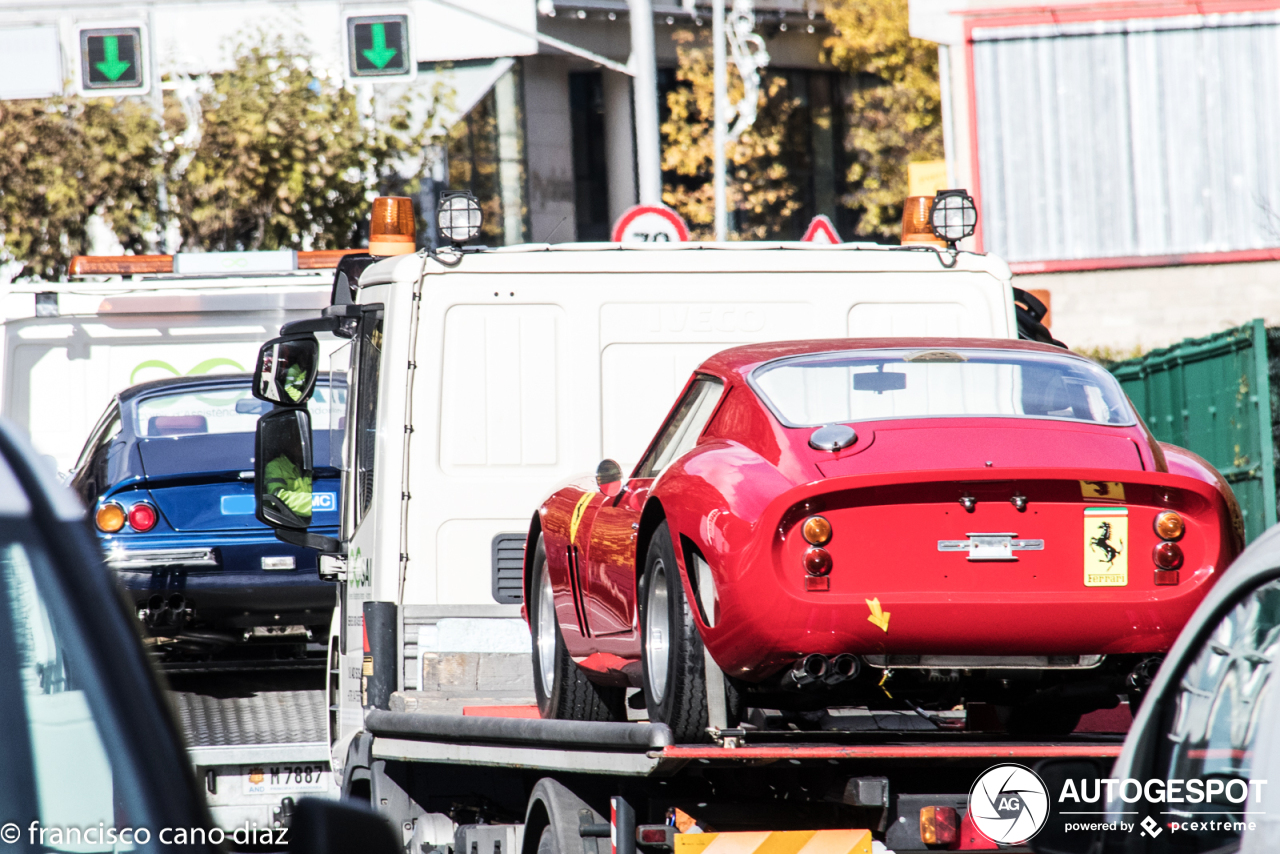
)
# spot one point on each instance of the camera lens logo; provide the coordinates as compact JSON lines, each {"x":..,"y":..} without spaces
{"x":1008,"y":804}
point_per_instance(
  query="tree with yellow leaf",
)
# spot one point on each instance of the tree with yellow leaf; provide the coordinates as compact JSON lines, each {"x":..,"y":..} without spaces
{"x":66,"y":160}
{"x":894,"y":109}
{"x":284,"y":159}
{"x":762,"y":193}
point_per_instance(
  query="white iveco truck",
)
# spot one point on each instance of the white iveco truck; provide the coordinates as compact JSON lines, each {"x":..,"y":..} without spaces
{"x":479,"y":378}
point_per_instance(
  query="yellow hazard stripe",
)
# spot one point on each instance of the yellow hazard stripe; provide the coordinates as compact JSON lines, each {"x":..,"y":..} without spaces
{"x":776,"y":842}
{"x":578,"y":510}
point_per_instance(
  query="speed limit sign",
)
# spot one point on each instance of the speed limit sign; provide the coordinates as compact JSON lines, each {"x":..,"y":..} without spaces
{"x":650,"y":224}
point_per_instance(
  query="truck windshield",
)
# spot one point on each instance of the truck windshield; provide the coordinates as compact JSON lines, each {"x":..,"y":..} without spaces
{"x":869,"y":385}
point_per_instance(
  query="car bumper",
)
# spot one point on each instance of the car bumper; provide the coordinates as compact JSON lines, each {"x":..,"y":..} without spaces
{"x":754,"y":642}
{"x":223,"y":580}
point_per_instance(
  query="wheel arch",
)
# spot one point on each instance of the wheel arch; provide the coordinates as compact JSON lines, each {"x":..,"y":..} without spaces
{"x":530,"y":548}
{"x":651,"y":517}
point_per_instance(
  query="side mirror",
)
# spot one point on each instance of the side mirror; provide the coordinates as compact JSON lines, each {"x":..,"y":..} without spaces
{"x":286,"y":371}
{"x":339,"y":827}
{"x":282,"y":469}
{"x":609,"y":478}
{"x":1054,"y":837}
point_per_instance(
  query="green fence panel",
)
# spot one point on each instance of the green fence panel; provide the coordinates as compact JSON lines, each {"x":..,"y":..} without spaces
{"x":1212,"y":396}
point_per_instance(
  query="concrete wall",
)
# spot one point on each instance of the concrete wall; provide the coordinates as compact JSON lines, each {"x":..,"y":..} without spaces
{"x":1156,"y":306}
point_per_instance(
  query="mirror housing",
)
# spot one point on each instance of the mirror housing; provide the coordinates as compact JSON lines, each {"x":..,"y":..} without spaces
{"x":283,"y":474}
{"x":286,"y":370}
{"x":609,"y":478}
{"x":339,"y":827}
{"x":1054,"y":838}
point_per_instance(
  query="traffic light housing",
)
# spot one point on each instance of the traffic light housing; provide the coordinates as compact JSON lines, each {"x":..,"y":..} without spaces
{"x":113,"y":61}
{"x":378,"y":48}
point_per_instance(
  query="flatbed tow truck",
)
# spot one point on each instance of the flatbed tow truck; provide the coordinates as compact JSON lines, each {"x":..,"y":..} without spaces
{"x":478,"y":378}
{"x":521,"y":786}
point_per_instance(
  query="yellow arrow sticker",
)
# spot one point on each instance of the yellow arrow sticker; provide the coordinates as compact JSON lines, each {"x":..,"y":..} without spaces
{"x":579,"y":510}
{"x":878,"y":617}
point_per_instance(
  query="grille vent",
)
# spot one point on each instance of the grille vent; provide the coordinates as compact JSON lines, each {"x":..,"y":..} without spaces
{"x":508,"y":568}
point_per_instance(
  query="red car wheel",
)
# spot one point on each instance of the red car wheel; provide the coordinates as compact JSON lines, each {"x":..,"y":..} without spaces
{"x":675,"y":690}
{"x":564,"y":692}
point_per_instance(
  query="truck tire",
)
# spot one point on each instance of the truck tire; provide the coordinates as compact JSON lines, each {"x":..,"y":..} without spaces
{"x":553,"y":816}
{"x":674,"y":680}
{"x":547,"y":842}
{"x":563,"y":690}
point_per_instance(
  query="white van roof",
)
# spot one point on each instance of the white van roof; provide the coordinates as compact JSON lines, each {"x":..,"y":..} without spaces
{"x":745,"y":257}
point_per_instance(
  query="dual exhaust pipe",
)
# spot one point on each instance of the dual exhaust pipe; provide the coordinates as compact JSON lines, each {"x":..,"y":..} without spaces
{"x":817,"y":669}
{"x":166,"y":613}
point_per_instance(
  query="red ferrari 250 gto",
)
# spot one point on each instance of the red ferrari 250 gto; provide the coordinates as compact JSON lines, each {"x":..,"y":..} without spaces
{"x":890,"y":523}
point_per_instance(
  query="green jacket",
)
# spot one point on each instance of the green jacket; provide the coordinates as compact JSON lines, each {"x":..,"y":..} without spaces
{"x":294,"y":379}
{"x":285,"y":482}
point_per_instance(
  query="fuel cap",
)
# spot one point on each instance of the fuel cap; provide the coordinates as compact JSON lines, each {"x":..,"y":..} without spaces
{"x":832,"y":437}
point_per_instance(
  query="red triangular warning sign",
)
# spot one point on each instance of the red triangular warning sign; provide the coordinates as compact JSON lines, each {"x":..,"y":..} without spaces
{"x":821,"y":231}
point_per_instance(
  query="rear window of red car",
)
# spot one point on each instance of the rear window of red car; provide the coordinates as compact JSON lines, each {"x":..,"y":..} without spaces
{"x":870,"y":385}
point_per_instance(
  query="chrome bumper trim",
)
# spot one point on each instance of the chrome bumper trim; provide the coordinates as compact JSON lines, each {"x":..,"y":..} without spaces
{"x":156,"y":558}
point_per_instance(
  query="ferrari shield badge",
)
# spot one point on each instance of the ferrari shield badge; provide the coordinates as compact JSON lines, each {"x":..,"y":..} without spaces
{"x":1106,"y":546}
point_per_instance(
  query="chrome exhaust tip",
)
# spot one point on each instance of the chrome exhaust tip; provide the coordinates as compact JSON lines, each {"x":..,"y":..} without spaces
{"x":843,"y":667}
{"x":808,"y":670}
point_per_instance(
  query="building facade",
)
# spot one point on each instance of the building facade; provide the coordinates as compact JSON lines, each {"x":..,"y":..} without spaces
{"x":541,"y":133}
{"x":1125,"y":156}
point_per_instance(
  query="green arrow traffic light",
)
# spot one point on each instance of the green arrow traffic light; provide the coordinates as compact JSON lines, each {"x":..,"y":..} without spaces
{"x":378,"y":46}
{"x":111,"y":60}
{"x":112,"y":66}
{"x":379,"y":54}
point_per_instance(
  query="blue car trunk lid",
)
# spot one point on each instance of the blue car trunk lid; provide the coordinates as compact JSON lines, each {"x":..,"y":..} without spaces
{"x":198,"y":482}
{"x":227,"y":505}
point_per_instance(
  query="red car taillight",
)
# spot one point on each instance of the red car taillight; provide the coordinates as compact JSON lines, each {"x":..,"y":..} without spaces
{"x":817,"y":561}
{"x":142,"y":517}
{"x":816,"y":531}
{"x":1169,"y":526}
{"x":1167,"y":555}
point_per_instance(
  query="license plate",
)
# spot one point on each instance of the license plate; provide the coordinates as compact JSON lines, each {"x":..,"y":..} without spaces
{"x":279,"y":632}
{"x":283,"y":779}
{"x":991,"y":546}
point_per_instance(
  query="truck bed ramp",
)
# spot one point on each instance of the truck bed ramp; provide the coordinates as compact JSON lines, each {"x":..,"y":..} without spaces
{"x":268,"y":717}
